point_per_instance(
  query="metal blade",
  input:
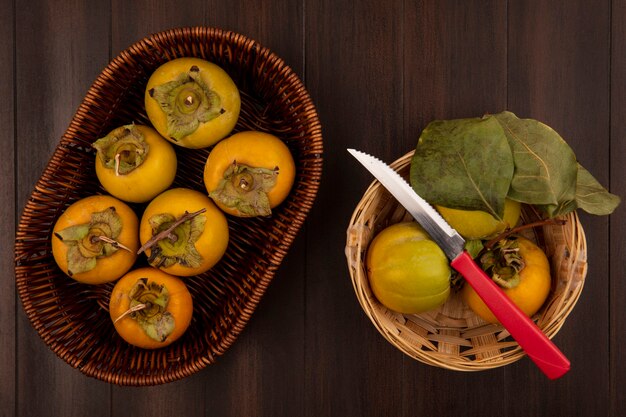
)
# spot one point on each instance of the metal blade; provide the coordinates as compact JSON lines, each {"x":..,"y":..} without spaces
{"x":441,"y":232}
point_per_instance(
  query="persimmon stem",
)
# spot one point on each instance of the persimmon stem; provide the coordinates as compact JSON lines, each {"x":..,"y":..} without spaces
{"x":167,"y":233}
{"x":117,"y":164}
{"x":113,"y":242}
{"x":138,"y":307}
{"x":125,"y":153}
{"x":517,"y":229}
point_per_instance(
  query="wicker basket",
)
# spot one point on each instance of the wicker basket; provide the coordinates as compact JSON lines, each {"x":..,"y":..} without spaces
{"x":452,"y":336}
{"x":72,"y":318}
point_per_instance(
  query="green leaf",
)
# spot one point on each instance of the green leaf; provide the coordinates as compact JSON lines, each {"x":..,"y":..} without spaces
{"x":545,"y":165}
{"x":593,"y":197}
{"x":555,"y":210}
{"x":464,"y":164}
{"x":474,"y":247}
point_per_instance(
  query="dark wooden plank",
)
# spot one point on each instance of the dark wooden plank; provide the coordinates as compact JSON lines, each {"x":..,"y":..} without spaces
{"x":454,"y":62}
{"x":275,"y":24}
{"x":133,"y":21}
{"x":257,"y":20}
{"x":617,"y":226}
{"x":261,"y":374}
{"x":354,"y":71}
{"x":558,"y":73}
{"x":454,"y":67}
{"x":61,"y":48}
{"x":7,"y":213}
{"x":378,"y":75}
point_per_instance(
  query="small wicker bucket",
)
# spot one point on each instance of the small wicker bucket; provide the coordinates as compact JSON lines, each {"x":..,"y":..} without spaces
{"x":72,"y":318}
{"x":452,"y":336}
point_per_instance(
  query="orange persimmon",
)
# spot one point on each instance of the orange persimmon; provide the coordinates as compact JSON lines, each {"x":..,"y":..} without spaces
{"x":149,"y":308}
{"x":95,"y":239}
{"x":249,"y":173}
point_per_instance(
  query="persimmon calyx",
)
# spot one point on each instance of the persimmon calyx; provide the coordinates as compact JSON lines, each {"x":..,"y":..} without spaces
{"x":122,"y":150}
{"x":186,"y":101}
{"x":89,"y":241}
{"x":503,"y":263}
{"x":245,"y":188}
{"x":148,"y":307}
{"x":173,"y":240}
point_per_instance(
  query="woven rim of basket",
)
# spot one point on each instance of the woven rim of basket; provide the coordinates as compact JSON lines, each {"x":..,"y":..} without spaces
{"x":452,"y":336}
{"x":83,"y":336}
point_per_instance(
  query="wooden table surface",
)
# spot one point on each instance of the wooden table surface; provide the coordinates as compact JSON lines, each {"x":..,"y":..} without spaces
{"x":378,"y":72}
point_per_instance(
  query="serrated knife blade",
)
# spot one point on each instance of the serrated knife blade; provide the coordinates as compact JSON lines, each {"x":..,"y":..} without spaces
{"x":448,"y":239}
{"x":535,"y":343}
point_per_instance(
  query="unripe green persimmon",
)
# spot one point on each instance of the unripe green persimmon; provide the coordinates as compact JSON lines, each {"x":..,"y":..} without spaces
{"x":407,"y":271}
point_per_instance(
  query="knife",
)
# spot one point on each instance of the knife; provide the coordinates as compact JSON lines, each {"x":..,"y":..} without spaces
{"x":535,"y":343}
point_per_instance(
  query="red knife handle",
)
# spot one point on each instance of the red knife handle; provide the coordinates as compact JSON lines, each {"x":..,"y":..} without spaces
{"x":539,"y":348}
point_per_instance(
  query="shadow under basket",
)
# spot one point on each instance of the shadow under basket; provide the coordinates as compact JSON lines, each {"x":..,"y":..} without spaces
{"x":452,"y":336}
{"x":72,"y":318}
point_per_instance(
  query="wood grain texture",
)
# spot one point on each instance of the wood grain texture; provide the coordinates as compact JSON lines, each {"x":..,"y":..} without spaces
{"x":617,"y":226}
{"x":378,"y":73}
{"x":354,"y":73}
{"x":55,"y":65}
{"x":455,"y":61}
{"x":8,"y":303}
{"x":559,"y":73}
{"x":455,"y":66}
